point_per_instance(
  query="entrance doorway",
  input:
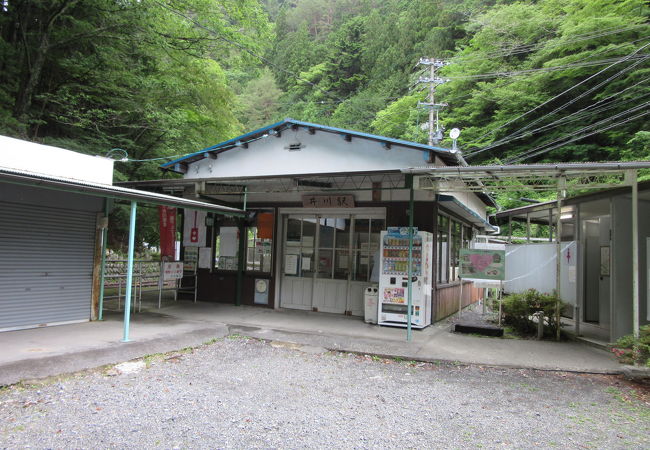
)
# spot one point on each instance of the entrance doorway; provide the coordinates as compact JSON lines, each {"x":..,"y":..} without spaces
{"x":327,"y":260}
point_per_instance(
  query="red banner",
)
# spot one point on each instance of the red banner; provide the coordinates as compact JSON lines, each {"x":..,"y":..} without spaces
{"x":167,"y":232}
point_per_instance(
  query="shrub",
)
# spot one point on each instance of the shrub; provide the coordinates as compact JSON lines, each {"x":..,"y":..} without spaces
{"x":518,"y":310}
{"x":629,"y":350}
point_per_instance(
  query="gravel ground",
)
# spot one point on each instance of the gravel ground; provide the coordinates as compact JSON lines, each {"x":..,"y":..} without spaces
{"x":244,"y":393}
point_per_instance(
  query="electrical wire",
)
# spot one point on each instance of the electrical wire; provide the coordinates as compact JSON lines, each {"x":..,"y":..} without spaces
{"x":545,"y":44}
{"x":541,"y":149}
{"x":554,"y":98}
{"x":566,"y":119}
{"x":579,"y":138}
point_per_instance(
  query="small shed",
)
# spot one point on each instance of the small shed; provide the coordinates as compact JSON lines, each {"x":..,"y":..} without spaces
{"x":54,"y":204}
{"x":600,"y":226}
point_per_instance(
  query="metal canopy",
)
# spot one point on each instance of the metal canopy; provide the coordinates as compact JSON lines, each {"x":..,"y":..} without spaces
{"x":535,"y":177}
{"x":26,"y":178}
{"x":545,"y":177}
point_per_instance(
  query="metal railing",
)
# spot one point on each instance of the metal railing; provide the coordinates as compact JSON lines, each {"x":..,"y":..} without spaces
{"x":147,"y":274}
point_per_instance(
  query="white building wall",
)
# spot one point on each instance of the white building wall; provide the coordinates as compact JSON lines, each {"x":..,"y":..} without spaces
{"x":322,"y":153}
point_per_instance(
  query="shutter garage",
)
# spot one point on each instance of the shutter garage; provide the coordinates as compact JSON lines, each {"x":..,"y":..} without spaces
{"x":46,"y":263}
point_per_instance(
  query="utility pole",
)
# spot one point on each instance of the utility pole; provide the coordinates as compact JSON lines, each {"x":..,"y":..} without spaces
{"x":435,"y":129}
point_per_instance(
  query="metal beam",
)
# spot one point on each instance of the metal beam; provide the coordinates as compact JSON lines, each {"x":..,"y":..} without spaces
{"x":632,"y":179}
{"x":409,"y":332}
{"x":129,"y":273}
{"x":561,"y":184}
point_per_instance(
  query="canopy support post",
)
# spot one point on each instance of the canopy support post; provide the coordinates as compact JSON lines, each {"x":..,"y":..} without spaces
{"x":129,"y":273}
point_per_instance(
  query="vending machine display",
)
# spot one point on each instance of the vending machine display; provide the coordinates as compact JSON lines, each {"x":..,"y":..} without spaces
{"x":393,"y":279}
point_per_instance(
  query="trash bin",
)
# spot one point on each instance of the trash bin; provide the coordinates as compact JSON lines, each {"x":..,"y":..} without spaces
{"x":370,"y":299}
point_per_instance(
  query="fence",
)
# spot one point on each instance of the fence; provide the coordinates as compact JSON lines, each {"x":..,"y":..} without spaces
{"x":146,"y":276}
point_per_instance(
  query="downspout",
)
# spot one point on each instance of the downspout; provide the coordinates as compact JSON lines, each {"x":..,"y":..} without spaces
{"x":102,"y":269}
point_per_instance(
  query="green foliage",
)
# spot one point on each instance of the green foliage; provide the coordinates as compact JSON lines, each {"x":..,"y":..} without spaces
{"x":631,"y":350}
{"x":518,"y":310}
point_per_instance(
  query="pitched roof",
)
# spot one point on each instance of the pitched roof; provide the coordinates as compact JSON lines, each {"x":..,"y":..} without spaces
{"x":445,"y":154}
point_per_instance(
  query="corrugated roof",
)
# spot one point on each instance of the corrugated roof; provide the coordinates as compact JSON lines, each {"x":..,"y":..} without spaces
{"x":445,"y":154}
{"x":27,"y":178}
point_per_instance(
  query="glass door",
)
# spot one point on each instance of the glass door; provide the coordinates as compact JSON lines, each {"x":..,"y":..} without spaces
{"x":298,"y":262}
{"x":331,"y":283}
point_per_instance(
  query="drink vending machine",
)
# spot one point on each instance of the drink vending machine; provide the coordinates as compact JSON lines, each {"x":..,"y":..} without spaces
{"x":393,"y":278}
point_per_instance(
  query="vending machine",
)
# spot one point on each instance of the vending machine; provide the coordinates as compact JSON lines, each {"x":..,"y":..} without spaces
{"x":393,"y":279}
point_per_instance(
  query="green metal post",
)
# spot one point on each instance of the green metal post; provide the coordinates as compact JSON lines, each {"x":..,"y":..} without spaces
{"x":409,"y":333}
{"x":103,"y":264}
{"x":242,"y":254}
{"x":129,"y":273}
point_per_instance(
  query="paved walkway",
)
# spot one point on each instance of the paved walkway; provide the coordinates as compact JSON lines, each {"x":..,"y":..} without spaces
{"x":49,"y":351}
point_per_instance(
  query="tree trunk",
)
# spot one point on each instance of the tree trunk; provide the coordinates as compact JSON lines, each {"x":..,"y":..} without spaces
{"x":33,"y":71}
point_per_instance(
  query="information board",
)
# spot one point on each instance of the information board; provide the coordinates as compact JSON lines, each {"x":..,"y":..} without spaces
{"x":482,"y":264}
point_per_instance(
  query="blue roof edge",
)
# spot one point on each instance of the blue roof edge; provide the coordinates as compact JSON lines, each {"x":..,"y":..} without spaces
{"x":233,"y":141}
{"x":451,"y":198}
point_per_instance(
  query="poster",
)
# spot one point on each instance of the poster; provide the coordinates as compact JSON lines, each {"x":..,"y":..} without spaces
{"x":205,"y":257}
{"x":229,"y":241}
{"x":167,"y":221}
{"x":306,"y":264}
{"x":172,"y":270}
{"x":291,"y":264}
{"x":190,"y":259}
{"x":394,"y":295}
{"x":194,"y":228}
{"x":482,"y":264}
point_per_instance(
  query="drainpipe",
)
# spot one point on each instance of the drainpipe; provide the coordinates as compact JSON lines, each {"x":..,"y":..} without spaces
{"x":129,"y":273}
{"x":409,"y":333}
{"x":103,"y":263}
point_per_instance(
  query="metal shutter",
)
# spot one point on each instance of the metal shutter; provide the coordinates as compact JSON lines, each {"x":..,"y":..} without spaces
{"x":46,"y":263}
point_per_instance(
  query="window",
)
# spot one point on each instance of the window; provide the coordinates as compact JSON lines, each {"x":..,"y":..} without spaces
{"x":298,"y":260}
{"x":259,"y":245}
{"x":443,"y":249}
{"x":259,"y":251}
{"x":452,"y":236}
{"x":347,"y":247}
{"x":226,"y":248}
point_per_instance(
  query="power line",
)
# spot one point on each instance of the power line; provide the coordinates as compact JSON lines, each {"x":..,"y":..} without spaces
{"x":564,"y":120}
{"x":554,"y":97}
{"x":546,"y":44}
{"x":514,"y":73}
{"x":579,"y":137}
{"x":575,"y":99}
{"x":541,"y":149}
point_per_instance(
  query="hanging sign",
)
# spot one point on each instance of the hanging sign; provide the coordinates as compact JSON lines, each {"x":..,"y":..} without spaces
{"x":328,"y":201}
{"x":482,"y":264}
{"x":194,"y":228}
{"x":167,"y":220}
